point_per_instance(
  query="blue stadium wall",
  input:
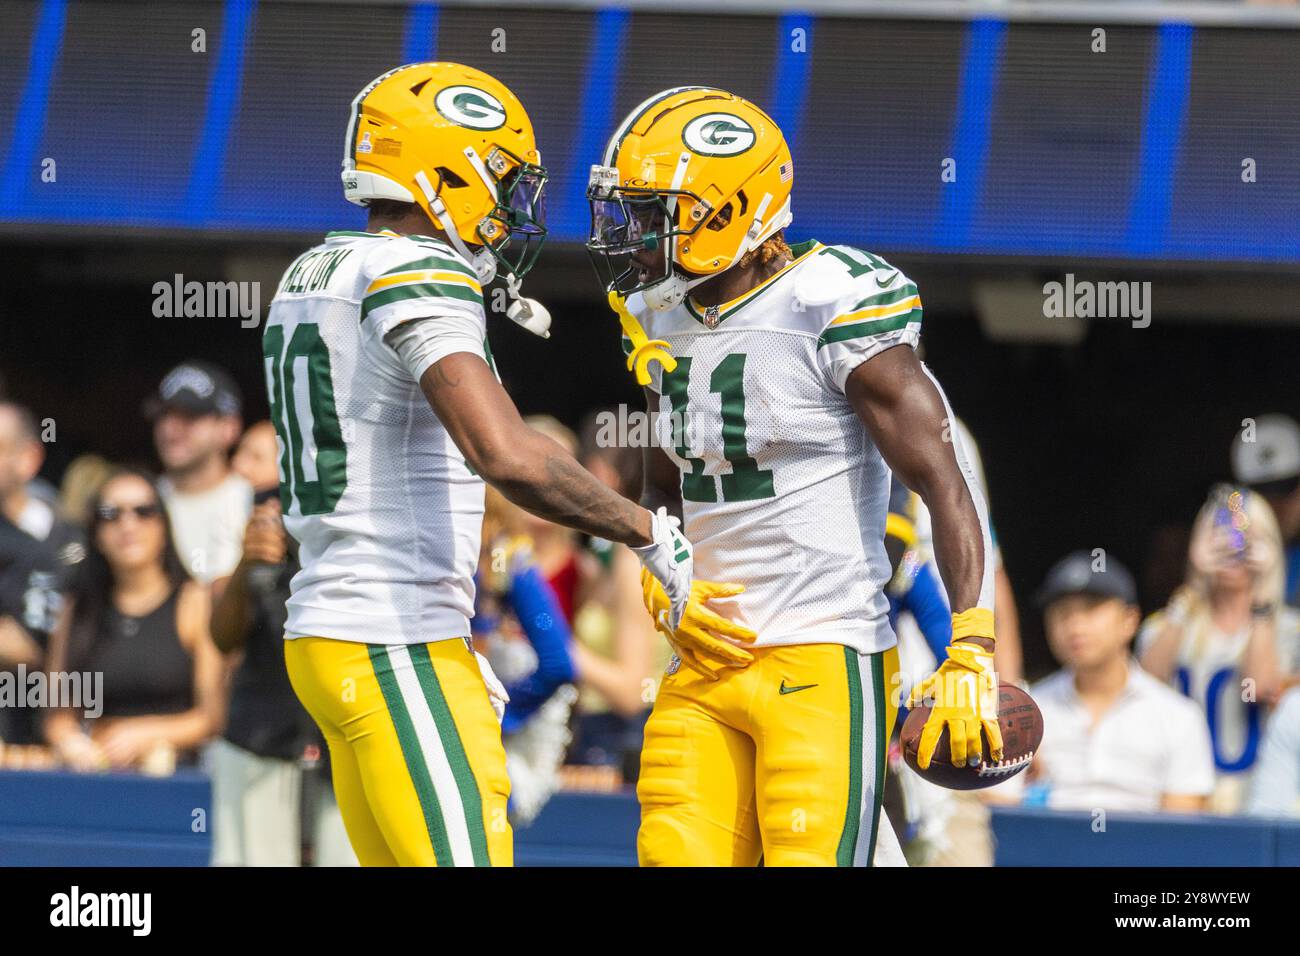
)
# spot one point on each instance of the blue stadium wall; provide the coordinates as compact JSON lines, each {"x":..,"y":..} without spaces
{"x":1135,"y":153}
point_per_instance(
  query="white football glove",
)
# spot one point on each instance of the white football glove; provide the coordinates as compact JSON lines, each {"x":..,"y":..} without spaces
{"x":496,"y":690}
{"x":669,"y":560}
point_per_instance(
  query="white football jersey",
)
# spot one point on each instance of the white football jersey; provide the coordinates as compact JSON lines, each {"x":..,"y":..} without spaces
{"x":383,"y":505}
{"x":783,"y":490}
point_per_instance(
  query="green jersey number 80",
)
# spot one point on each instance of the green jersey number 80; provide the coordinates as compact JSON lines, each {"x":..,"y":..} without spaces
{"x":313,"y":455}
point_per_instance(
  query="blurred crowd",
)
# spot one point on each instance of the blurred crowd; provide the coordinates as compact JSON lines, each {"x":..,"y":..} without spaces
{"x":170,"y":589}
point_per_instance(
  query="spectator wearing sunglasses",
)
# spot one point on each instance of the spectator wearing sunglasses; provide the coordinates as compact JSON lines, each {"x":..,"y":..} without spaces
{"x":134,"y":616}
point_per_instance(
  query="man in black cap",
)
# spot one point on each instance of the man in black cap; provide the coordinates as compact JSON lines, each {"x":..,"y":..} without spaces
{"x":1115,"y":738}
{"x":196,"y":421}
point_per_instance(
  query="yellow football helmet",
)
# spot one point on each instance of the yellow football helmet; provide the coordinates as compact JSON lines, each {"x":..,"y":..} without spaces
{"x":699,"y":170}
{"x":459,"y":144}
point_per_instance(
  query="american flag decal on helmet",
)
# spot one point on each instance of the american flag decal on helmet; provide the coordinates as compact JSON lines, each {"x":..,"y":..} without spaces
{"x":786,"y":171}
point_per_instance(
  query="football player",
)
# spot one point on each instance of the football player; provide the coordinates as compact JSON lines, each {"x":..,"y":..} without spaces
{"x":390,"y":418}
{"x":795,"y":389}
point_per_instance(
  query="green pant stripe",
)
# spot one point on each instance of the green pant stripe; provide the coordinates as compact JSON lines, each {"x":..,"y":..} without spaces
{"x":852,"y":815}
{"x":412,"y":752}
{"x":455,"y":751}
{"x":878,"y":692}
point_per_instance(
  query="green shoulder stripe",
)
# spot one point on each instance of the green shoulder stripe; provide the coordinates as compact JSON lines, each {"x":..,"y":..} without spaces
{"x":417,"y":290}
{"x":860,"y":330}
{"x":433,"y":262}
{"x":905,"y":291}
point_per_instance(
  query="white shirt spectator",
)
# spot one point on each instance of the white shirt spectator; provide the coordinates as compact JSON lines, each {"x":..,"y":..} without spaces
{"x":208,"y":526}
{"x":1152,"y":741}
{"x":1276,"y":790}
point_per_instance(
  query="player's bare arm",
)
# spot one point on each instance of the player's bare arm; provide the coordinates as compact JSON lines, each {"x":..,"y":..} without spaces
{"x":908,"y":419}
{"x":537,"y":474}
{"x":527,"y":467}
{"x":661,"y":481}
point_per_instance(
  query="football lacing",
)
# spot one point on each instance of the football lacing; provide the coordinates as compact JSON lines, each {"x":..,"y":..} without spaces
{"x":1005,"y":766}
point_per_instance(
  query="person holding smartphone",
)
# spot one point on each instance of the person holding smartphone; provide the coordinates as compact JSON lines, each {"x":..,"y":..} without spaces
{"x":1225,"y":639}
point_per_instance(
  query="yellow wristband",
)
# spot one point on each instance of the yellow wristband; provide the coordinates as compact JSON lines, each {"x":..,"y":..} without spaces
{"x":973,"y":622}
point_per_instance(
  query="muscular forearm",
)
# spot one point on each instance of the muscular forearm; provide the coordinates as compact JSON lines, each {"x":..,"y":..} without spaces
{"x":528,"y":468}
{"x":909,"y":419}
{"x":958,"y":545}
{"x":540,"y":476}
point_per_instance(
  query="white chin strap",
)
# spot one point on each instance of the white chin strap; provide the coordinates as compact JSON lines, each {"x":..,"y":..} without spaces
{"x":484,"y":263}
{"x":669,"y":291}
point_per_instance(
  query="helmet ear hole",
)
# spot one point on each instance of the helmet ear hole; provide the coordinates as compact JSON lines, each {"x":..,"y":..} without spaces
{"x":721,"y":219}
{"x":449,"y":178}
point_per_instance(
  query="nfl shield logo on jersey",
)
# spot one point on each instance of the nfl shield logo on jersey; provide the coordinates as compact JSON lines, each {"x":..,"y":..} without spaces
{"x":711,"y":317}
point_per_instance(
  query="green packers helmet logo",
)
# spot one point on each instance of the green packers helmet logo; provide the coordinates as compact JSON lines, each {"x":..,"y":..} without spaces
{"x":718,"y":134}
{"x":470,"y":106}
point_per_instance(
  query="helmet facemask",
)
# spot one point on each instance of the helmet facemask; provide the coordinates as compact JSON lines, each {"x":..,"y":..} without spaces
{"x":515,"y":229}
{"x":629,"y":219}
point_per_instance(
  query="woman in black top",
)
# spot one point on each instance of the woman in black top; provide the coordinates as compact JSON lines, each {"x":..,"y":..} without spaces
{"x":134,"y":617}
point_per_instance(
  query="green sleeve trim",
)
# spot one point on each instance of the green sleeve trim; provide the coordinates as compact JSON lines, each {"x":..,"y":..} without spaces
{"x":434,"y":262}
{"x":887,"y":298}
{"x":862,"y":330}
{"x":418,"y":290}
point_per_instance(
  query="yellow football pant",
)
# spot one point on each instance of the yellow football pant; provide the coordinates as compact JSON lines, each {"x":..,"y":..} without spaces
{"x":783,"y":760}
{"x":419,"y":770}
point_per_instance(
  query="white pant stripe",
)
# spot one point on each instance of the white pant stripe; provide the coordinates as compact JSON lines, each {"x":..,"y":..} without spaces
{"x":435,"y":757}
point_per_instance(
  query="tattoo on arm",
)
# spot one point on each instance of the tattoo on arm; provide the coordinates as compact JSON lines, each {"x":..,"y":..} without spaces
{"x":568,"y":494}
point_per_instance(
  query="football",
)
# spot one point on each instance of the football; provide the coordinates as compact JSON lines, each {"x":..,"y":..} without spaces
{"x":1022,"y":732}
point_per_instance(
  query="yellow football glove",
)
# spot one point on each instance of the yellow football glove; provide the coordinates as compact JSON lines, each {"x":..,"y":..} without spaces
{"x":699,"y":640}
{"x":965,"y":694}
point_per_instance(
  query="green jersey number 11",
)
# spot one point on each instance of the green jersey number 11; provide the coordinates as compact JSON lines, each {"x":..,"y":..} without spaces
{"x":747,"y":482}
